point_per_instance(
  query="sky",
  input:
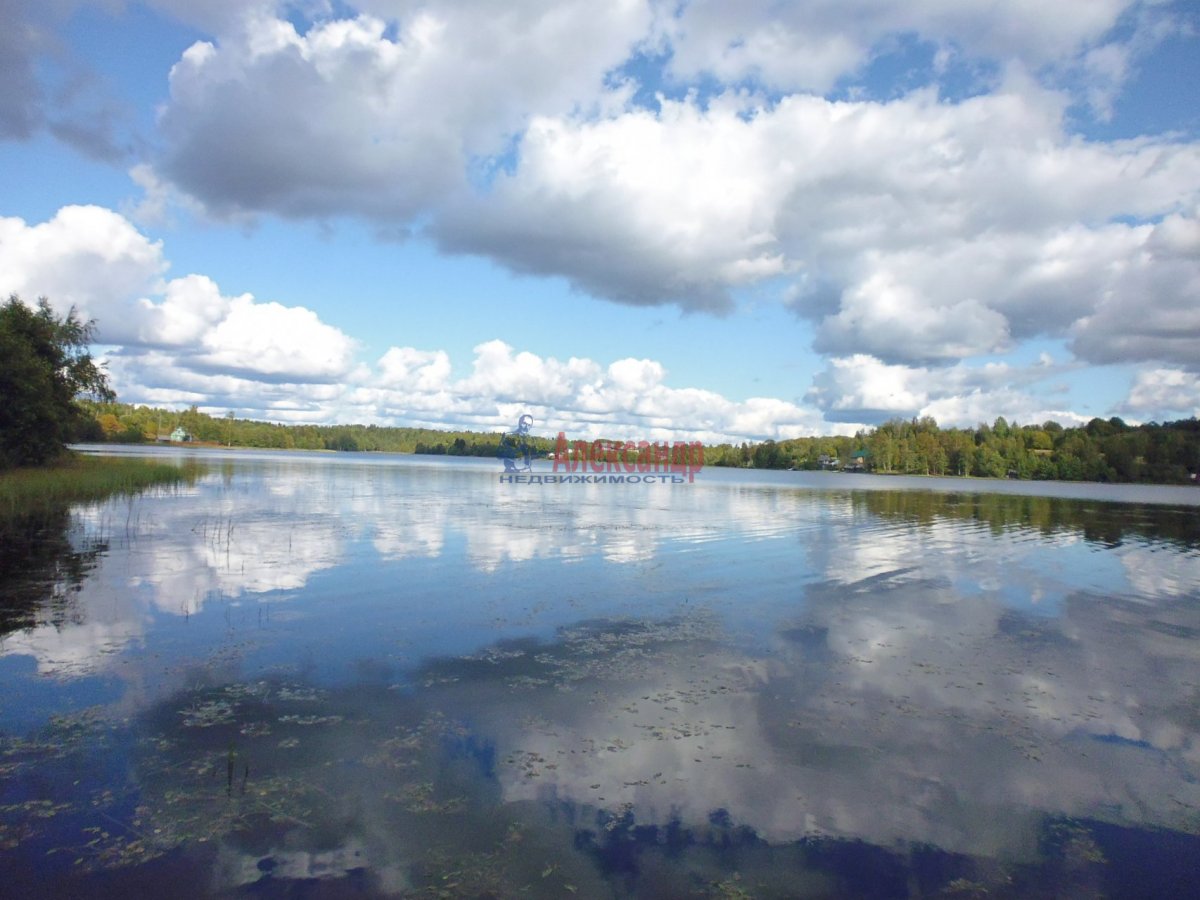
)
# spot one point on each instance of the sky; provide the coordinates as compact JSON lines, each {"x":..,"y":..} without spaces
{"x":637,"y":219}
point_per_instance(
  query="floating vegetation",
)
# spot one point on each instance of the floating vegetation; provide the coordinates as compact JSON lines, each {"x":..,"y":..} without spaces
{"x":727,"y":725}
{"x":207,"y":714}
{"x":309,"y":720}
{"x":419,"y":797}
{"x":21,"y":821}
{"x":294,"y":693}
{"x":610,"y":651}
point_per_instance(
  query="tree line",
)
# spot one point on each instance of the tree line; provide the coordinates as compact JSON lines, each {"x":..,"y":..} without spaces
{"x":53,"y":393}
{"x":123,"y":422}
{"x":1102,"y":450}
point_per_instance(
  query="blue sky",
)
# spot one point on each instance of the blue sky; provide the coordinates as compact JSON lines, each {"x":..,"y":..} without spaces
{"x":640,"y":218}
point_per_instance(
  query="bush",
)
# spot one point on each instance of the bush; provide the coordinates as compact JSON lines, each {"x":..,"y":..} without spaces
{"x":46,"y":367}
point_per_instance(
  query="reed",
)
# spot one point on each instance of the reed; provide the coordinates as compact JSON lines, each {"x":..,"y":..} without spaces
{"x":82,"y":479}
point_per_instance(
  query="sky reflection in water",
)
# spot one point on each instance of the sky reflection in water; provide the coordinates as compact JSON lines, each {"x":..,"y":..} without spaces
{"x":402,"y":675}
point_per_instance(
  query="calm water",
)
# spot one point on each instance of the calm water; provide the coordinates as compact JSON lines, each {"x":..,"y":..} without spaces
{"x":362,"y":675}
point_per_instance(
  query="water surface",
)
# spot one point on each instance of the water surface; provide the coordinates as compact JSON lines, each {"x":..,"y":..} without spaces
{"x":329,"y":675}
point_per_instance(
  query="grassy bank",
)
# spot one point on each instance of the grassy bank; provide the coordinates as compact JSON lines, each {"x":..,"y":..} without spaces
{"x":80,"y":479}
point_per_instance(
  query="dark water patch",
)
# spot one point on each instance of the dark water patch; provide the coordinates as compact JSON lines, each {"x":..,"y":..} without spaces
{"x":182,"y":874}
{"x":44,"y":558}
{"x":1108,"y":525}
{"x":1031,"y":630}
{"x":1147,"y":863}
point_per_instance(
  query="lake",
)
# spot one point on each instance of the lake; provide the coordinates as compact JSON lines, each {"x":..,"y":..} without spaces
{"x":320,"y":675}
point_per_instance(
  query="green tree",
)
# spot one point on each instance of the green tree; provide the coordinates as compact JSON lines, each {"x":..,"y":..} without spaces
{"x":988,"y":463}
{"x":46,"y":368}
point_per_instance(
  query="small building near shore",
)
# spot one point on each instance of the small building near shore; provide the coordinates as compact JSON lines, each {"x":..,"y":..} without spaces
{"x":858,"y":461}
{"x":179,"y":436}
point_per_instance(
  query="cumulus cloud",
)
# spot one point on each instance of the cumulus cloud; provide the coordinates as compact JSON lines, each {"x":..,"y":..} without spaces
{"x":913,"y":229}
{"x":627,"y":398}
{"x":643,"y":208}
{"x":85,"y":256}
{"x":1164,"y":394}
{"x":375,"y":116}
{"x":183,"y":341}
{"x":165,"y":378}
{"x":862,"y":388}
{"x":95,"y":260}
{"x":810,"y":46}
{"x":270,"y":340}
{"x":932,"y":230}
{"x":404,"y":367}
{"x":1147,"y":307}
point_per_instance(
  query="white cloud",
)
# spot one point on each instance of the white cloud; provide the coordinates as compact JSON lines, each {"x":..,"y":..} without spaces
{"x":269,"y":339}
{"x":159,"y":198}
{"x":184,"y":342}
{"x":346,"y":117}
{"x":96,"y":260}
{"x":946,"y":229}
{"x":190,"y":344}
{"x":861,"y":388}
{"x":629,"y":398}
{"x":914,"y":229}
{"x":86,"y":256}
{"x":190,"y":307}
{"x":1164,"y":394}
{"x":404,"y":367}
{"x":640,"y":208}
{"x":943,"y":230}
{"x":165,"y":377}
{"x":809,"y":46}
{"x":890,"y":319}
{"x":1147,"y":307}
{"x":968,"y":410}
{"x":525,"y":377}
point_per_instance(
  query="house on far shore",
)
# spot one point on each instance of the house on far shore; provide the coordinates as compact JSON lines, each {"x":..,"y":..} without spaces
{"x":825,"y":461}
{"x":179,"y":436}
{"x":858,"y":461}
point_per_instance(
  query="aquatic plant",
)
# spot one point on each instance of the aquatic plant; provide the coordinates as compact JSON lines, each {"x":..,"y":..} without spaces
{"x":84,"y":479}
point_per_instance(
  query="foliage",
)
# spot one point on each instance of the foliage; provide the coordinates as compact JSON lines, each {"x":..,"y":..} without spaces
{"x":46,"y":367}
{"x":1101,"y":450}
{"x":118,"y":421}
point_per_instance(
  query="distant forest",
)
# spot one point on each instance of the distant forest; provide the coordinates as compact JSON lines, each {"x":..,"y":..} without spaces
{"x":1102,"y":450}
{"x":124,"y":423}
